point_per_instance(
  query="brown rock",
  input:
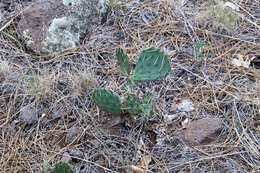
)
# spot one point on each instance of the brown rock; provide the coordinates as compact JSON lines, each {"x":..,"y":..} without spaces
{"x":35,"y":21}
{"x":112,"y":125}
{"x":201,"y":131}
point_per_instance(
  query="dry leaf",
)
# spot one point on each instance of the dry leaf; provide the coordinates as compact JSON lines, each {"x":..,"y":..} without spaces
{"x":136,"y":169}
{"x":143,"y":165}
{"x":242,"y":61}
{"x":185,"y":123}
{"x":144,"y":162}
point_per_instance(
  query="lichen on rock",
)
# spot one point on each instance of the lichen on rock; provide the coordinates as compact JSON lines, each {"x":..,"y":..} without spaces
{"x":52,"y":26}
{"x":63,"y":35}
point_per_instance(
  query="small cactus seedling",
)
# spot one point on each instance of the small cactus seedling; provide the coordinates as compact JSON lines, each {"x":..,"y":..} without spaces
{"x":123,"y":61}
{"x":200,"y":46}
{"x":152,"y":64}
{"x":107,"y":100}
{"x":132,"y":104}
{"x":62,"y":168}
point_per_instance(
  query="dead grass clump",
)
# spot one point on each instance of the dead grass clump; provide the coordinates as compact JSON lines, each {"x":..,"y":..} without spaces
{"x":82,"y":81}
{"x":40,"y":85}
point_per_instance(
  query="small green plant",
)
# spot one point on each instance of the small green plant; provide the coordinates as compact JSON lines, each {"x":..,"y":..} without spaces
{"x":62,"y":168}
{"x":218,"y":14}
{"x":200,"y":46}
{"x":152,"y":64}
{"x":222,"y":13}
{"x":115,"y":5}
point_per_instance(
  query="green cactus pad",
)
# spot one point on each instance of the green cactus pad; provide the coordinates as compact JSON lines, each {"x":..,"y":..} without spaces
{"x":152,"y":64}
{"x":62,"y":168}
{"x":107,"y":101}
{"x":123,"y":61}
{"x":148,"y":104}
{"x":132,"y":104}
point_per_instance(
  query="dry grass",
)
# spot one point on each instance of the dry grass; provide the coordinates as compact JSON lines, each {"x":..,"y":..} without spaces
{"x":60,"y":89}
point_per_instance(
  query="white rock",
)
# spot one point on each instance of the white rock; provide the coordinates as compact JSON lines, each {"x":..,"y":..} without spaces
{"x":231,"y":5}
{"x":186,"y":106}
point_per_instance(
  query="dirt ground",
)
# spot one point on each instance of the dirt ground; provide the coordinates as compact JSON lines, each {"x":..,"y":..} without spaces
{"x":47,"y":114}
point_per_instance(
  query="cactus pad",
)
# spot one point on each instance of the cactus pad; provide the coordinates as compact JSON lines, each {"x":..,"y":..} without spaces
{"x":132,"y":104}
{"x":62,"y":168}
{"x":123,"y":61}
{"x":148,"y":104}
{"x":107,"y":101}
{"x":152,"y":64}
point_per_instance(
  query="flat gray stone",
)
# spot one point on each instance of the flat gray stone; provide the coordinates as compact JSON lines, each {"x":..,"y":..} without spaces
{"x":28,"y":114}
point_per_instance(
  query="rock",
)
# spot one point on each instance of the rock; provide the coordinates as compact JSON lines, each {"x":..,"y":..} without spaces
{"x":185,"y":105}
{"x":73,"y":133}
{"x":60,"y":110}
{"x":76,"y":153}
{"x":28,"y":114}
{"x":201,"y":131}
{"x":36,"y":20}
{"x":4,"y":68}
{"x":112,"y":125}
{"x":13,"y":76}
{"x":50,"y":26}
{"x":66,"y":158}
{"x":4,"y":4}
{"x":179,"y":109}
{"x":168,"y":118}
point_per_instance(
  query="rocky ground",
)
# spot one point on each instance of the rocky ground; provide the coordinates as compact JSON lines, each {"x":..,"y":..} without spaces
{"x":206,"y":116}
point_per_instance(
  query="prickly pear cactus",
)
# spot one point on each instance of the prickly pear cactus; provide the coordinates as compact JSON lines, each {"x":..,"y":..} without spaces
{"x":107,"y":101}
{"x":132,"y":104}
{"x":148,"y":104}
{"x":62,"y":168}
{"x":152,"y":64}
{"x":123,"y":61}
